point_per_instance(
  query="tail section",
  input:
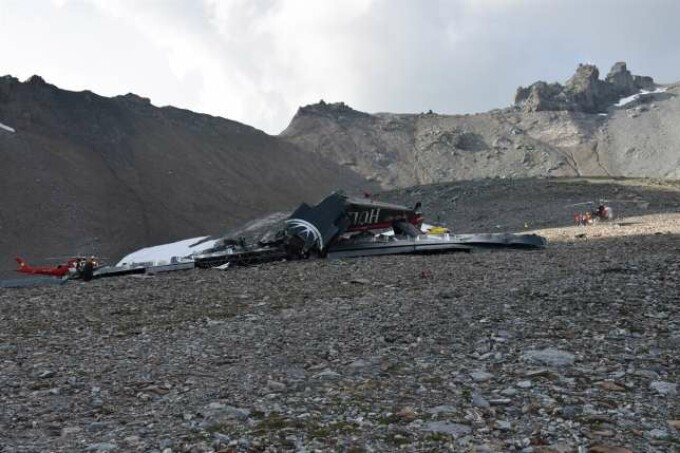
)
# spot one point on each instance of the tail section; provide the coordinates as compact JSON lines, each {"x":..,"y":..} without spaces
{"x":21,"y":262}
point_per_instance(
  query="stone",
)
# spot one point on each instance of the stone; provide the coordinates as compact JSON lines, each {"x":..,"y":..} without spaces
{"x":622,"y":80}
{"x":220,"y":440}
{"x":585,"y":88}
{"x":510,"y":391}
{"x":479,"y":401}
{"x":611,"y":386}
{"x":540,"y":372}
{"x":96,"y":427}
{"x":69,"y":430}
{"x":327,"y":374}
{"x":542,"y":96}
{"x":644,"y":83}
{"x":166,"y":443}
{"x":500,"y":402}
{"x":47,"y":374}
{"x":359,"y":363}
{"x":222,"y":410}
{"x":407,"y":413}
{"x":664,"y":388}
{"x":102,"y":447}
{"x":657,"y":433}
{"x":443,"y":409}
{"x":132,"y":440}
{"x":572,"y":411}
{"x":647,"y":374}
{"x":481,"y":376}
{"x":608,"y":449}
{"x":275,"y":386}
{"x":502,"y":425}
{"x":451,"y":429}
{"x":524,"y":384}
{"x":549,"y":357}
{"x":555,"y":448}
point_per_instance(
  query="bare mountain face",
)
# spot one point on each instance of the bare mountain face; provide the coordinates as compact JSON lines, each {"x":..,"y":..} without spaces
{"x":551,"y":130}
{"x":584,"y":92}
{"x":82,"y":173}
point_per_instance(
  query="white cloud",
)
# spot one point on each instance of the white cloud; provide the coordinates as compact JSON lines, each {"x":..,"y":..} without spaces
{"x":256,"y":61}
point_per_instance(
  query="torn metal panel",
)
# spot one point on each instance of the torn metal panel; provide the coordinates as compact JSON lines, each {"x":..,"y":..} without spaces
{"x":317,"y":226}
{"x":527,"y":241}
{"x":426,"y":244}
{"x":366,"y":214}
{"x":170,"y":267}
{"x":396,"y":247}
{"x":242,"y":256}
{"x":118,"y":271}
{"x":337,"y":214}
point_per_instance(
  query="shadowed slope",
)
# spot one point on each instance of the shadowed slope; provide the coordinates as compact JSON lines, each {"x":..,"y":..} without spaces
{"x":89,"y":174}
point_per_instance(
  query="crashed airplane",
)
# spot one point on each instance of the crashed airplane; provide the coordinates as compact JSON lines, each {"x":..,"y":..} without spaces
{"x":342,"y":227}
{"x":338,"y":227}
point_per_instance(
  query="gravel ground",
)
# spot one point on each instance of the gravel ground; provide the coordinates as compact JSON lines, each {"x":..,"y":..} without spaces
{"x":572,"y":348}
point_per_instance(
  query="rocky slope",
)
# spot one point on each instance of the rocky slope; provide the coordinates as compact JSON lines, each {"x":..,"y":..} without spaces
{"x":568,"y":349}
{"x":553,"y":130}
{"x":527,"y":204}
{"x":85,"y":174}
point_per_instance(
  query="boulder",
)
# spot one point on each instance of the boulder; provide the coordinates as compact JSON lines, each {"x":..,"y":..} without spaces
{"x":644,"y":83}
{"x":622,"y":80}
{"x":586,"y":89}
{"x":542,"y":96}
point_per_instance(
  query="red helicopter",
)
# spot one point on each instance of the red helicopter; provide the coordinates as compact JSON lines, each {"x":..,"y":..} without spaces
{"x":77,"y":267}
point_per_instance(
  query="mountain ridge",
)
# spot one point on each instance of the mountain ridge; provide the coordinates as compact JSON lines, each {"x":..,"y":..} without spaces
{"x":83,"y":173}
{"x":571,"y":130}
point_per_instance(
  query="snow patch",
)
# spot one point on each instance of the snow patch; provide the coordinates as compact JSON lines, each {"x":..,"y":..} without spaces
{"x":7,"y":128}
{"x":163,"y":254}
{"x":627,"y":100}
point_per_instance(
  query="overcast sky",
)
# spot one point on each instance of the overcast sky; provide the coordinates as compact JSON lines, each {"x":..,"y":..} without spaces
{"x":257,"y":61}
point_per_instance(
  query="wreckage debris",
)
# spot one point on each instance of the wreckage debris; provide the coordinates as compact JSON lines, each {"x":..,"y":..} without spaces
{"x":343,"y":227}
{"x":338,"y":227}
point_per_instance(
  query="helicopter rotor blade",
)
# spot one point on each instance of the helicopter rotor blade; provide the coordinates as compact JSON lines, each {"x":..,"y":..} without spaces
{"x":623,"y":201}
{"x":580,"y":204}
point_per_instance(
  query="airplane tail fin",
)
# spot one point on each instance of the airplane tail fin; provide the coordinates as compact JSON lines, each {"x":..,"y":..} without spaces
{"x":21,"y":262}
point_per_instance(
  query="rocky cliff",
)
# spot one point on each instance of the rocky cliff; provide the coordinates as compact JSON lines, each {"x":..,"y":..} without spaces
{"x":553,"y":130}
{"x":584,"y":91}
